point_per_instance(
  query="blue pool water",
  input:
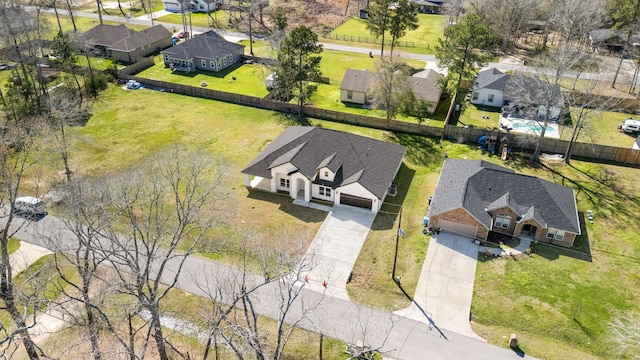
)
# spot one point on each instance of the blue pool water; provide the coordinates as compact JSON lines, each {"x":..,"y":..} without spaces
{"x":531,"y":126}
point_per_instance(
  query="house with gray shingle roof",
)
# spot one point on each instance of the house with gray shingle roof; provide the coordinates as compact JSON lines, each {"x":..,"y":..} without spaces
{"x":208,"y":51}
{"x":357,"y":85}
{"x":308,"y":163}
{"x":488,"y":88}
{"x":474,"y":198}
{"x":126,"y":45}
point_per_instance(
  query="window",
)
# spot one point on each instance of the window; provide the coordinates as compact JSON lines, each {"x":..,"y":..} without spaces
{"x":490,"y":98}
{"x":349,"y":94}
{"x":213,"y":64}
{"x":219,"y":63}
{"x":230,"y":58}
{"x":284,"y":183}
{"x":325,"y":191}
{"x":204,"y":63}
{"x":474,"y":96}
{"x":326,"y":174}
{"x":555,"y":234}
{"x":166,"y":57}
{"x":224,"y":61}
{"x":502,"y":221}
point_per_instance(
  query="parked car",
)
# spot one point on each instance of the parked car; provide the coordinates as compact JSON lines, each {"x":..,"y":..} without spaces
{"x":29,"y":205}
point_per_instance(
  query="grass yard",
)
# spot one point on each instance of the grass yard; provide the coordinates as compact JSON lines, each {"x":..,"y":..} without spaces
{"x":425,"y":37}
{"x":246,"y":79}
{"x":82,"y":23}
{"x":558,"y":301}
{"x":217,"y":20}
{"x":601,"y":129}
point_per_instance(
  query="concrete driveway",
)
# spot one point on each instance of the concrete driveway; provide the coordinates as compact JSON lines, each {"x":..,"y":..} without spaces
{"x":335,"y":249}
{"x":445,"y":287}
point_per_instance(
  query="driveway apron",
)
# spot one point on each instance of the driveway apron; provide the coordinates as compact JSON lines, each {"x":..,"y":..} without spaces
{"x":445,"y":287}
{"x":335,"y":249}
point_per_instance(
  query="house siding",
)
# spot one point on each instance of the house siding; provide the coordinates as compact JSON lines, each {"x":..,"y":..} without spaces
{"x":357,"y":98}
{"x":483,"y":97}
{"x":463,"y":217}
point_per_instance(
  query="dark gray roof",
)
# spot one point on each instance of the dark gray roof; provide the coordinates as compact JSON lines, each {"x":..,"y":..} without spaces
{"x":637,"y":143}
{"x":425,"y":85}
{"x":479,"y":187}
{"x":529,"y":90}
{"x":600,"y":35}
{"x":357,"y":80}
{"x":490,"y":78}
{"x":120,"y":37}
{"x":354,"y":158}
{"x":208,"y":45}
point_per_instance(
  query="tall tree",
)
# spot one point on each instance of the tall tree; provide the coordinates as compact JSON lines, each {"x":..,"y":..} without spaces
{"x":378,"y":21}
{"x":18,"y":154}
{"x":299,"y":64}
{"x":625,"y":15}
{"x":170,"y":205}
{"x":403,"y":17}
{"x":464,"y":48}
{"x":390,"y":90}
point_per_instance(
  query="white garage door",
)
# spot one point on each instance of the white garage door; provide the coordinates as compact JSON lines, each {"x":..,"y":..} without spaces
{"x":460,"y":229}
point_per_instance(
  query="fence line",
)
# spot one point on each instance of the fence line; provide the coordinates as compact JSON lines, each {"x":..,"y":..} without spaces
{"x":451,"y":132}
{"x":368,"y":40}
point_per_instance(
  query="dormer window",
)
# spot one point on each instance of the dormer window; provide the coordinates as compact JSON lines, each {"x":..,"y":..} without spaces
{"x":326,"y":174}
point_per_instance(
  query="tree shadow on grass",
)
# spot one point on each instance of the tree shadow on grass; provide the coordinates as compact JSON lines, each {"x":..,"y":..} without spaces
{"x":292,"y":119}
{"x":421,"y":150}
{"x":286,"y":205}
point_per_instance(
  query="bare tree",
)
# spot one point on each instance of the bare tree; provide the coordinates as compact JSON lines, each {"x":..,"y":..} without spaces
{"x":170,"y":205}
{"x":390,"y":88}
{"x":18,"y":153}
{"x":237,"y":294}
{"x":539,"y":95}
{"x":625,"y":333}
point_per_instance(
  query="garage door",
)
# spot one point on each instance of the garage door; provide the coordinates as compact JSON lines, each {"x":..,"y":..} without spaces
{"x":358,"y":201}
{"x":460,"y":229}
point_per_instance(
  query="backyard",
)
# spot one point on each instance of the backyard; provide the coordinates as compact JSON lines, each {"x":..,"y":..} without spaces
{"x":601,"y":129}
{"x":424,"y":38}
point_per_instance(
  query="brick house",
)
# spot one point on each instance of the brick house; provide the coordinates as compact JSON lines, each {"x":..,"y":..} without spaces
{"x":474,"y":198}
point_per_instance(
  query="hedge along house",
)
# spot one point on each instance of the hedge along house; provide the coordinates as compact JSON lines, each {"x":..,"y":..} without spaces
{"x":208,"y":51}
{"x":333,"y":166}
{"x":474,"y":198}
{"x":122,"y":44}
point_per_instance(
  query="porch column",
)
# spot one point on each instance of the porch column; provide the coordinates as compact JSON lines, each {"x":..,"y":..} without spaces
{"x":274,"y":179}
{"x":293,"y":188}
{"x":307,"y":190}
{"x":247,"y":180}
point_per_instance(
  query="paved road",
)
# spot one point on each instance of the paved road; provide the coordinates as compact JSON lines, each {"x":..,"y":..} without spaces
{"x":398,"y":337}
{"x":445,"y":287}
{"x":625,"y":76}
{"x":336,"y":248}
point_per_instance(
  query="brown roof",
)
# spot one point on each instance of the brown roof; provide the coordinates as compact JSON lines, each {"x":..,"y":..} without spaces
{"x":425,"y":85}
{"x":120,"y":37}
{"x":357,"y":80}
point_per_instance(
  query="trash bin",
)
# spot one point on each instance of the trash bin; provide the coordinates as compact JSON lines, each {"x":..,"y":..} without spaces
{"x":513,"y":341}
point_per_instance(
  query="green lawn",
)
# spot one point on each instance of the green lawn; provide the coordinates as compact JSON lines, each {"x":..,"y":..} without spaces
{"x":425,"y":37}
{"x":246,"y":79}
{"x":217,"y":20}
{"x":602,"y":127}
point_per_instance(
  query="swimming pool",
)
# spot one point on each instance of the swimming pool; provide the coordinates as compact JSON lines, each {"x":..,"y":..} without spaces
{"x":531,"y":126}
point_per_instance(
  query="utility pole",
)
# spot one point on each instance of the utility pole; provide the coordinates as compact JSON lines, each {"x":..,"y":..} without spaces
{"x":395,"y":255}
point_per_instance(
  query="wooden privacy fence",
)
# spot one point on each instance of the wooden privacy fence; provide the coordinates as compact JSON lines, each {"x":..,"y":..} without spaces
{"x":368,"y":40}
{"x":451,"y":132}
{"x":549,"y":145}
